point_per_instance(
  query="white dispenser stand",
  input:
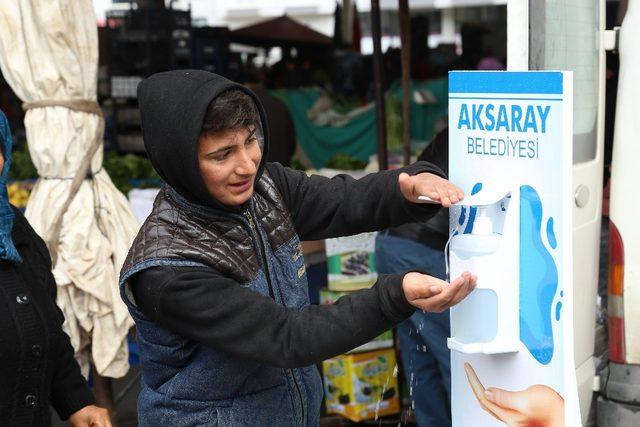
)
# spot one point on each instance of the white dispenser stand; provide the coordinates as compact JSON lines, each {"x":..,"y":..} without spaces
{"x":487,"y":321}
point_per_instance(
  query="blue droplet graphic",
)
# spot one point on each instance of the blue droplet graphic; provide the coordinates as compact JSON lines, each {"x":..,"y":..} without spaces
{"x":558,"y":309}
{"x":472,"y":211}
{"x":561,"y":293}
{"x":551,"y":236}
{"x":538,"y":280}
{"x":463,"y":215}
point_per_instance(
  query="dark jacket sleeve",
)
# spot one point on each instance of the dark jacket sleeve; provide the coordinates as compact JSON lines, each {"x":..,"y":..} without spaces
{"x":69,"y":389}
{"x":200,"y":304}
{"x":323,"y":208}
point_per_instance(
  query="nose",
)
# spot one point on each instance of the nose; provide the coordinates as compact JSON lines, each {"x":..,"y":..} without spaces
{"x":246,"y":163}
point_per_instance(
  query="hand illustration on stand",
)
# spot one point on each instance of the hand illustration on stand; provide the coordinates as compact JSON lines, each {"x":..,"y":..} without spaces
{"x":536,"y":406}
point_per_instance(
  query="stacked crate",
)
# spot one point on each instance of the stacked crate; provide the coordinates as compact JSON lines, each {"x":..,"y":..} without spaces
{"x":138,"y":43}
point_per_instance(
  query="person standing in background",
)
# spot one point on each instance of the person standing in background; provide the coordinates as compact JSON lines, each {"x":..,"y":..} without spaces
{"x":423,"y":337}
{"x":282,"y":133}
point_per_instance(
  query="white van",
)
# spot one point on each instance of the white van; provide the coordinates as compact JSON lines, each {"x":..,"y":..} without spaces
{"x":569,"y":35}
{"x":619,"y":404}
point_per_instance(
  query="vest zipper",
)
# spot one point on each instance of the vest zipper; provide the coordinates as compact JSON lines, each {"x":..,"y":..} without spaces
{"x":252,"y":224}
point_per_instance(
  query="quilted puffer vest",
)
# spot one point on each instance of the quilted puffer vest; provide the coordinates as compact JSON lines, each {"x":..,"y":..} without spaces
{"x":185,"y":383}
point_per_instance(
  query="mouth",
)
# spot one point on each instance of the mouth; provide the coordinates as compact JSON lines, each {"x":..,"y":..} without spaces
{"x":241,"y":186}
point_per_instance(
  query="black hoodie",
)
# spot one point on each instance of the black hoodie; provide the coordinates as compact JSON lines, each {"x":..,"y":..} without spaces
{"x":172,"y":109}
{"x":202,"y":304}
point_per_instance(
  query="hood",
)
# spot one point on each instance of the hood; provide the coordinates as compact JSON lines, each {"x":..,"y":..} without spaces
{"x":172,"y":109}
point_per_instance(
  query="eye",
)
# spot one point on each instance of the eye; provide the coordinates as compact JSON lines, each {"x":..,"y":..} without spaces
{"x":221,"y":156}
{"x":251,"y":140}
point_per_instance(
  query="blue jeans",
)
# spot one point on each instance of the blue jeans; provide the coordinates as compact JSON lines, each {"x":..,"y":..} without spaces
{"x":423,"y":337}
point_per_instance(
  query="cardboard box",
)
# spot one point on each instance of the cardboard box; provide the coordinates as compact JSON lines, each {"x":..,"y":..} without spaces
{"x":362,"y":386}
{"x":312,"y":246}
{"x":384,"y":340}
{"x":351,"y":262}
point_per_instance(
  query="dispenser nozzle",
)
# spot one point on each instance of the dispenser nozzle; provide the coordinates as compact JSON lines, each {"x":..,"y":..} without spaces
{"x":482,"y":223}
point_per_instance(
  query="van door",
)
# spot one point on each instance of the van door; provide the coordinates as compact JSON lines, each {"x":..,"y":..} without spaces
{"x":567,"y":35}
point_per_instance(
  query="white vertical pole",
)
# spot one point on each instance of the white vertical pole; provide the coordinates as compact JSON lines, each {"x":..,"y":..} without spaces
{"x":448,"y":25}
{"x":518,"y":35}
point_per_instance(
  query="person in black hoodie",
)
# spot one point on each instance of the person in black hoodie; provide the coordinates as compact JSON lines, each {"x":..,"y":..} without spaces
{"x":215,"y":279}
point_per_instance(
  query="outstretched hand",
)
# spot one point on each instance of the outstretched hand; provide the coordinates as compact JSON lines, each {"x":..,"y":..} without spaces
{"x":537,"y":405}
{"x":427,"y":184}
{"x":435,"y":295}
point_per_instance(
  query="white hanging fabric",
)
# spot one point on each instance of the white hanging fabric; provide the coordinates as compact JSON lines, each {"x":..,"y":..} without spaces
{"x":49,"y":57}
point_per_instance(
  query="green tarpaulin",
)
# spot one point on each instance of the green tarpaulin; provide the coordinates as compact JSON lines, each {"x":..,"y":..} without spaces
{"x":357,"y":137}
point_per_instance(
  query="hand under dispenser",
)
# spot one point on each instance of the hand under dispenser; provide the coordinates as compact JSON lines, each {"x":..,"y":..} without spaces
{"x":487,"y":245}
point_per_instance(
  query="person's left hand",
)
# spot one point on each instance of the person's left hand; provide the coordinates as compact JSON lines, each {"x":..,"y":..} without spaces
{"x":433,"y":295}
{"x":427,"y":184}
{"x":90,"y":416}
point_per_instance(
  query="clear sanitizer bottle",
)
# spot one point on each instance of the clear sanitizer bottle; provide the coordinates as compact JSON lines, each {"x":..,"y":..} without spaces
{"x":481,"y":241}
{"x":486,"y":321}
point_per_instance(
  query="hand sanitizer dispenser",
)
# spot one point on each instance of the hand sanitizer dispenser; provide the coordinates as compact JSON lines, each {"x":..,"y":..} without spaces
{"x":487,"y":321}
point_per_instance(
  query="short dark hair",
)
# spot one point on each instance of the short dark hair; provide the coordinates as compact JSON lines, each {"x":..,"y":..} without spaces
{"x":231,"y":110}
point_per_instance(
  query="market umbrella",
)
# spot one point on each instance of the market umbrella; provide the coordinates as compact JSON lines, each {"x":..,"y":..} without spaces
{"x":49,"y":57}
{"x":282,"y":31}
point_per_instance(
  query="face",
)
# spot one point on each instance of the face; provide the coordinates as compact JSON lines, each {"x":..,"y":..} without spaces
{"x":229,"y":162}
{"x":1,"y":162}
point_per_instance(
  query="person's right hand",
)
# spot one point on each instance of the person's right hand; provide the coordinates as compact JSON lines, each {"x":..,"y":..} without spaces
{"x":538,"y":405}
{"x":90,"y":416}
{"x":434,"y":295}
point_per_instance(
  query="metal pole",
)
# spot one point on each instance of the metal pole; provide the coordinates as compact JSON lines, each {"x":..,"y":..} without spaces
{"x":405,"y":37}
{"x":381,"y":125}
